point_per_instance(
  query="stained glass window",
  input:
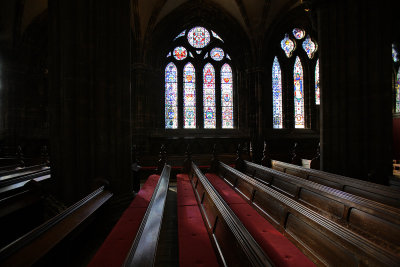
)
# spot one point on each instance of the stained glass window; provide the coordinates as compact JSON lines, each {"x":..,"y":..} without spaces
{"x":395,"y":54}
{"x":217,"y":54}
{"x":198,"y":37}
{"x":288,"y":45}
{"x":317,"y":88}
{"x":189,"y":96}
{"x":180,"y":53}
{"x":309,"y":46}
{"x":398,"y":92}
{"x":209,"y":96}
{"x":180,"y":35}
{"x":216,"y":36}
{"x":171,"y":97}
{"x":227,"y":96}
{"x":298,"y":94}
{"x":276,"y":95}
{"x":298,"y":33}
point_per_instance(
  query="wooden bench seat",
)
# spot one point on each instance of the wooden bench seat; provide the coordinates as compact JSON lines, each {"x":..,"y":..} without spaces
{"x":126,"y":243}
{"x":278,"y":248}
{"x":378,"y":222}
{"x":195,"y":247}
{"x":379,"y":193}
{"x":34,"y":245}
{"x":235,"y":246}
{"x":323,"y":240}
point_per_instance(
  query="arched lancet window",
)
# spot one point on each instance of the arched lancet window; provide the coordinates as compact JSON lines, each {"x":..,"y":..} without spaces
{"x":209,"y":96}
{"x":171,"y":97}
{"x":297,"y":52}
{"x":398,"y":92}
{"x":189,"y":96}
{"x":199,"y":49}
{"x":277,"y":94}
{"x":298,"y":94}
{"x":227,"y":96}
{"x":317,"y":92}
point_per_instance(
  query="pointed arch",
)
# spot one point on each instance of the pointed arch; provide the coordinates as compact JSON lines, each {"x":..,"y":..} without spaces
{"x":189,"y":96}
{"x":171,"y":96}
{"x":298,"y":94}
{"x":209,"y":96}
{"x":277,"y":94}
{"x":227,"y":96}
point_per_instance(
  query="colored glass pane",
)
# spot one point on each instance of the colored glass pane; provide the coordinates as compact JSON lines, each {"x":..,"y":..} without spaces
{"x":189,"y":96}
{"x":398,"y":92}
{"x":180,"y":53}
{"x":298,"y":33}
{"x":227,"y":96}
{"x":169,"y":54}
{"x":206,"y":56}
{"x":198,"y":37}
{"x":171,"y":97}
{"x":216,"y":36}
{"x":217,"y":54}
{"x":395,"y":54}
{"x":209,"y":96}
{"x":180,"y":35}
{"x":191,"y":55}
{"x":276,"y":95}
{"x":288,"y":45}
{"x":298,"y":94}
{"x":317,"y":88}
{"x":198,"y":52}
{"x":310,"y":47}
{"x":228,"y":57}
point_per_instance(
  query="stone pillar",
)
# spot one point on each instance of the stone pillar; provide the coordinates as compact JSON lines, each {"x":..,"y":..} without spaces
{"x":257,"y":110}
{"x":89,"y":95}
{"x":355,"y":75}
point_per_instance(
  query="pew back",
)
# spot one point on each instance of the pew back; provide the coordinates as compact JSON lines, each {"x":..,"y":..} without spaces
{"x":377,"y":222}
{"x":323,"y":240}
{"x":235,"y":245}
{"x":376,"y":192}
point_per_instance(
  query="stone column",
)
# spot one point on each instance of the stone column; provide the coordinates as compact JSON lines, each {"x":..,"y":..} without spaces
{"x":89,"y":95}
{"x":355,"y":75}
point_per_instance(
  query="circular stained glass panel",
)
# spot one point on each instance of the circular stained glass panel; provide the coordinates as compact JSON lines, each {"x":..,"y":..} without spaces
{"x":217,"y":54}
{"x":298,"y":33}
{"x":180,"y":53}
{"x":198,"y":37}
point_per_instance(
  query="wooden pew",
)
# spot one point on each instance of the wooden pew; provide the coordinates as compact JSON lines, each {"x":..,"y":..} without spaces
{"x":31,"y":247}
{"x":377,"y":222}
{"x":235,"y":245}
{"x":133,"y":240}
{"x":323,"y":240}
{"x":376,"y":192}
{"x":9,"y":174}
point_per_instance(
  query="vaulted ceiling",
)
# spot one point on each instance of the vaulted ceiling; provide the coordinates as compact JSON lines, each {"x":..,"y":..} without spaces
{"x":254,"y":16}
